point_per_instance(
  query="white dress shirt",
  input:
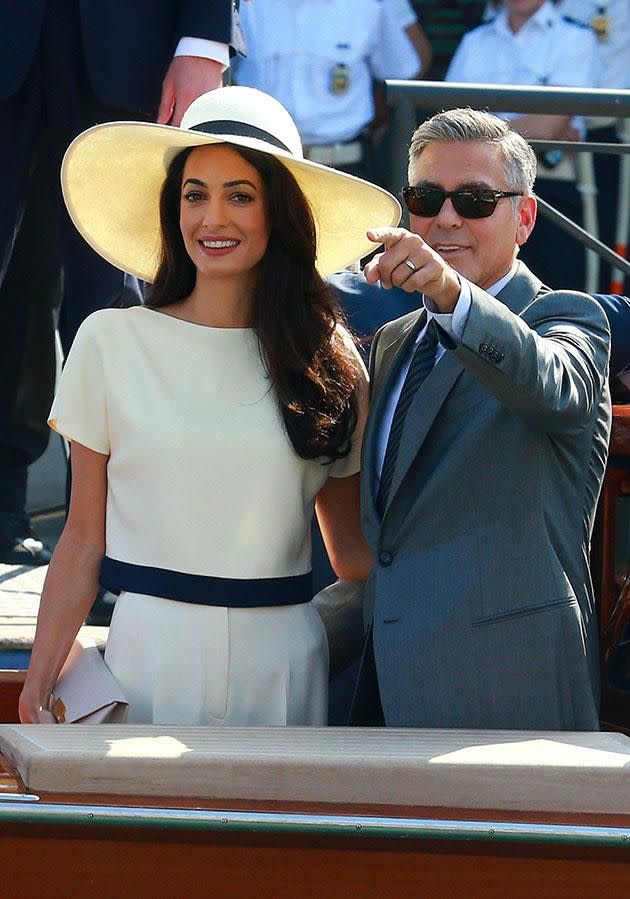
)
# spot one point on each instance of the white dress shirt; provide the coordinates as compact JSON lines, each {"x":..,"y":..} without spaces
{"x":199,"y":46}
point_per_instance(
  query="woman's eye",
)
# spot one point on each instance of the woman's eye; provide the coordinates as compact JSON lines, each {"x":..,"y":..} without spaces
{"x":193,"y":195}
{"x":242,"y":198}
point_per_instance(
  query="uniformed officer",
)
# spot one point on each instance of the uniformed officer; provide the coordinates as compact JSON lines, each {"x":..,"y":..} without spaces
{"x":531,"y":43}
{"x":319,"y":58}
{"x":610,"y":21}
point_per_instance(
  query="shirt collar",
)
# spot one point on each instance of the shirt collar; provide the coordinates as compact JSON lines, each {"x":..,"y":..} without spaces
{"x":496,"y":288}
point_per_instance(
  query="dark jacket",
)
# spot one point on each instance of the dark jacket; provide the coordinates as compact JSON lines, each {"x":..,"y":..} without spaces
{"x":127,"y":45}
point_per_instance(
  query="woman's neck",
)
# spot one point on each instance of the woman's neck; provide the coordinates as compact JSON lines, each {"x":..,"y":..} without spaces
{"x":218,"y":303}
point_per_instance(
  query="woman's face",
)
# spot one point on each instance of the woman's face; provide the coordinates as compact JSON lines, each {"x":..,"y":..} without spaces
{"x":223,"y":213}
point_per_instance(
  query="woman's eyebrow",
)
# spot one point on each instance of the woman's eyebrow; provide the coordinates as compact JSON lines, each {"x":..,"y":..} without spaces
{"x":200,"y":183}
{"x":239,"y":181}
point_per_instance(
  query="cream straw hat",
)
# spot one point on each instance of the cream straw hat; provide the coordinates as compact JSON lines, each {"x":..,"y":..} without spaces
{"x":112,"y":175}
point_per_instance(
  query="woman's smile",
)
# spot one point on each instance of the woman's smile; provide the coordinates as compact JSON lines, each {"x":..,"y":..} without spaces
{"x":218,"y":246}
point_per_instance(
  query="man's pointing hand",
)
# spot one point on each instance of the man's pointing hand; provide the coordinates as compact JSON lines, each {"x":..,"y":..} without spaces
{"x":410,"y":263}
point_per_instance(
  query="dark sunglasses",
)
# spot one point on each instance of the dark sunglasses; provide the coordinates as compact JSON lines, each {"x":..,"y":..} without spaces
{"x":469,"y":202}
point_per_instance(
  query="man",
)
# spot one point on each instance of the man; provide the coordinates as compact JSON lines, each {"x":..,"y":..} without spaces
{"x":529,"y":42}
{"x":610,"y":22}
{"x":65,"y":66}
{"x":480,"y":487}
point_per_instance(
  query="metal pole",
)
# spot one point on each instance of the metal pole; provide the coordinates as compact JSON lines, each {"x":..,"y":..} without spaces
{"x":587,"y":188}
{"x":499,"y":98}
{"x":623,"y":214}
{"x":403,"y":124}
{"x":571,"y":228}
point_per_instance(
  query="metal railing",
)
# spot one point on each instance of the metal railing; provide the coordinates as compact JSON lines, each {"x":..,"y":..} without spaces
{"x":406,"y":97}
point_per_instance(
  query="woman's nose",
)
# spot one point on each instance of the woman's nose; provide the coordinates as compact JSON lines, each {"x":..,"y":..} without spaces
{"x":215,"y":212}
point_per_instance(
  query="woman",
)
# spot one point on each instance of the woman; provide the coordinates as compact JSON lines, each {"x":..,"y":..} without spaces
{"x":205,"y":425}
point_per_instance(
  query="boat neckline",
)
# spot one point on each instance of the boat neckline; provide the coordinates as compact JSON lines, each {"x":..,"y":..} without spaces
{"x":185,"y":321}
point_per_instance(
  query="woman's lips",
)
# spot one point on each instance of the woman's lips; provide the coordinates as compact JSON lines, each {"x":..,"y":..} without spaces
{"x":218,"y":247}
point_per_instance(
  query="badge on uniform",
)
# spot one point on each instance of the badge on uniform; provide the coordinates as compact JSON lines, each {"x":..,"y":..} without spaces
{"x":339,"y":78}
{"x":600,"y":24}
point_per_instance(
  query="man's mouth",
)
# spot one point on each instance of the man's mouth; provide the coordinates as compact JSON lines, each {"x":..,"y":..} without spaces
{"x":443,"y":248}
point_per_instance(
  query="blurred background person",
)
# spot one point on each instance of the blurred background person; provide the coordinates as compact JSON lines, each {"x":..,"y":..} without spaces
{"x":610,"y":23}
{"x":320,"y":59}
{"x":445,"y":22}
{"x":529,"y":42}
{"x":65,"y":66}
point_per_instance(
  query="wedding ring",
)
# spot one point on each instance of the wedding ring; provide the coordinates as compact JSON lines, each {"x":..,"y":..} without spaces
{"x":410,"y":265}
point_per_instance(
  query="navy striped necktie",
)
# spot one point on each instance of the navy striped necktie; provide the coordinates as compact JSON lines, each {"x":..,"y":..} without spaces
{"x":422,"y":362}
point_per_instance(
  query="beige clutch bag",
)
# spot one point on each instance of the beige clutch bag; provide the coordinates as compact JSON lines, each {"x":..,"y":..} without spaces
{"x":341,"y":609}
{"x":86,"y":691}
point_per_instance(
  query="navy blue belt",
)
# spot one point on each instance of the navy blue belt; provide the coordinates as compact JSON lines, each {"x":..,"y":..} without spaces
{"x":206,"y":590}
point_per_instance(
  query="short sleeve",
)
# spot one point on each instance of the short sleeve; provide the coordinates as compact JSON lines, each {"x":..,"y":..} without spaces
{"x":351,"y":463}
{"x":79,"y":411}
{"x":394,"y":55}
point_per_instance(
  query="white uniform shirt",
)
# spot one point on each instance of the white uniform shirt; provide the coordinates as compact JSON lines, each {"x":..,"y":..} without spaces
{"x":546,"y":50}
{"x":300,"y":51}
{"x":611,"y":22}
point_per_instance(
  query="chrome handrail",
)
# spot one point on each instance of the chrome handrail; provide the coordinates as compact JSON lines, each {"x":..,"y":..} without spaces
{"x":381,"y":826}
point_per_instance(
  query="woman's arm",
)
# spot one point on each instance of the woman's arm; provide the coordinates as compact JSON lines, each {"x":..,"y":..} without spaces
{"x":71,"y":582}
{"x":338,"y":513}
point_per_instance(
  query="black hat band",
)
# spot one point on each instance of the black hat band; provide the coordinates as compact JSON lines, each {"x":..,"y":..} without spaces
{"x":240,"y":129}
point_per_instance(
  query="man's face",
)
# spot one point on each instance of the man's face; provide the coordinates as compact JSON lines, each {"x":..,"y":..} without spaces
{"x":482,"y":250}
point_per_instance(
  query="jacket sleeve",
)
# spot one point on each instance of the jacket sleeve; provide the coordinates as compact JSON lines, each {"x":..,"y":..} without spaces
{"x":209,"y":19}
{"x":549,"y":364}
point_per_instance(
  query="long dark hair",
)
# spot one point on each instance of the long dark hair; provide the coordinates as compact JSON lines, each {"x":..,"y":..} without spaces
{"x":295,"y":313}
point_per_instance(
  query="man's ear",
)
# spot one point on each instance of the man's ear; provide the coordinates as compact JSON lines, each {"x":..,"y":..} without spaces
{"x":526,"y":219}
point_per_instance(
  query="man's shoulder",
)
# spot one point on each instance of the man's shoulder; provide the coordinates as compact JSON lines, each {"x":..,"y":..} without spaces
{"x":568,"y":304}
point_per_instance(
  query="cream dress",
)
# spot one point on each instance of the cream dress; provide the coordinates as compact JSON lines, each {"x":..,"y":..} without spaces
{"x":205,"y":495}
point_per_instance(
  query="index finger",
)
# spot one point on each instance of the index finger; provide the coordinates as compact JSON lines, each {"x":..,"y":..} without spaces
{"x":387,"y":236}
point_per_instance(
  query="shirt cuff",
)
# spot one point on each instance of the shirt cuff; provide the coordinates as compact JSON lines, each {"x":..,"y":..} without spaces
{"x":198,"y":46}
{"x":453,"y":322}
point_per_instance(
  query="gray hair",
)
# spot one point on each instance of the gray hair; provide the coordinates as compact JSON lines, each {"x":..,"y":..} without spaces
{"x":462,"y":125}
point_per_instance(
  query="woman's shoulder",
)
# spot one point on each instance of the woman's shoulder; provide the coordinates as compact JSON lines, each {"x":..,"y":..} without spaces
{"x":107,"y":324}
{"x":343,"y":333}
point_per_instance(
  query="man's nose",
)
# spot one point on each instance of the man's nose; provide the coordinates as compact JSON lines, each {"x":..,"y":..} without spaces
{"x":448,"y":216}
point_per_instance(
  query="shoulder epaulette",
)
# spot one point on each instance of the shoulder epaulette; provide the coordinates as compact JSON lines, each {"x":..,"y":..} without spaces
{"x":576,"y":22}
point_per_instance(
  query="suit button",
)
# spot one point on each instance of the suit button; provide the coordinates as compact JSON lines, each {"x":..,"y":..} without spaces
{"x":385,"y":558}
{"x":483,"y":348}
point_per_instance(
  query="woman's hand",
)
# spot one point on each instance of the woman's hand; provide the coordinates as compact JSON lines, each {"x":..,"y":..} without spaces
{"x":32,"y":712}
{"x":71,"y":583}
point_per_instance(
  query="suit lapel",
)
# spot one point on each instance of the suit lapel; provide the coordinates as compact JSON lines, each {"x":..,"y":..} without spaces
{"x":425,"y":406}
{"x":517,"y":294}
{"x":390,"y":362}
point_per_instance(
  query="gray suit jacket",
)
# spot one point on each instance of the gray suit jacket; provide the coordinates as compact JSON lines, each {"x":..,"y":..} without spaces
{"x":481,"y":598}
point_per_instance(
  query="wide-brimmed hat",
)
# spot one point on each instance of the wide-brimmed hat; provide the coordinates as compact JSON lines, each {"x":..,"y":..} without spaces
{"x":112,"y":175}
